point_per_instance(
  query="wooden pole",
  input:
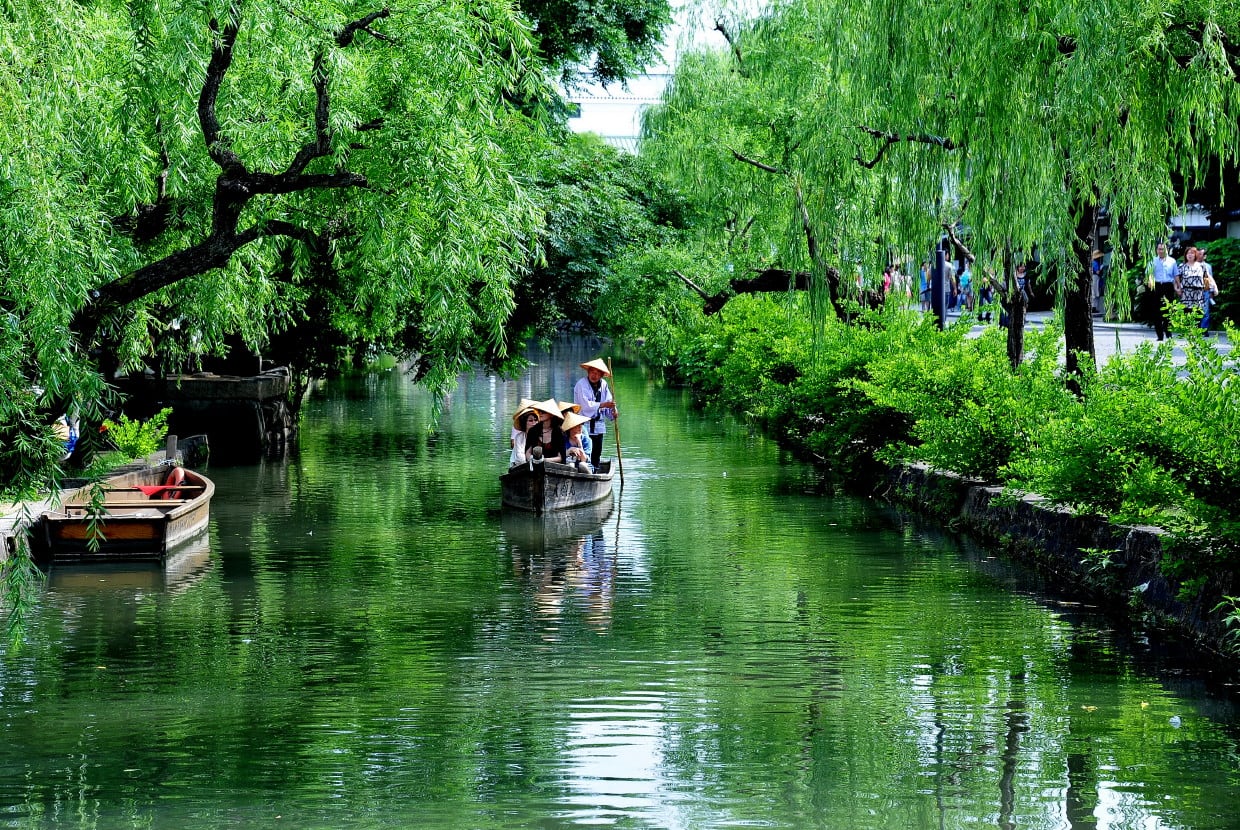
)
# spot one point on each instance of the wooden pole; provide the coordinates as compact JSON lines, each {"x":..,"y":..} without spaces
{"x":616,"y":424}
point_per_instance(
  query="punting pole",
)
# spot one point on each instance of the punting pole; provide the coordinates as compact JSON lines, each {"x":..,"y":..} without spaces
{"x":616,"y":423}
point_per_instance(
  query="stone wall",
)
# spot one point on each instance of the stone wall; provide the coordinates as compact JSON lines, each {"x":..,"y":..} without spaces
{"x":1116,"y":566}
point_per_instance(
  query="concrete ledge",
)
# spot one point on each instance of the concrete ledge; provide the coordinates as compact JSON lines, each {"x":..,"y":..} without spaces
{"x":1117,"y":566}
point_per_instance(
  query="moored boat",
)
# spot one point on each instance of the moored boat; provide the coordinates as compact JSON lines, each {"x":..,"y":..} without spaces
{"x":547,"y":486}
{"x":138,"y":516}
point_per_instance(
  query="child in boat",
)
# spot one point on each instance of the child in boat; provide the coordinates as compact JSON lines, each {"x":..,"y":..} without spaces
{"x":576,"y":442}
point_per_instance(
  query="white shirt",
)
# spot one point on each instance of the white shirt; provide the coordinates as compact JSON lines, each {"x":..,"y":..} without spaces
{"x":583,"y":396}
{"x":1164,"y":269}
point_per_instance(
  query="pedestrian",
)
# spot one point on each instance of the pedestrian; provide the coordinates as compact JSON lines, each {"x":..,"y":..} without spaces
{"x":593,"y":395}
{"x":986,"y":294}
{"x":966,"y":287}
{"x":1211,"y":286}
{"x":1160,"y":280}
{"x":1190,"y":286}
{"x":925,"y":287}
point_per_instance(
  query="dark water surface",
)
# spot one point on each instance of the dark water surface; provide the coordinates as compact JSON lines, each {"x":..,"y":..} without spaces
{"x":364,"y":640}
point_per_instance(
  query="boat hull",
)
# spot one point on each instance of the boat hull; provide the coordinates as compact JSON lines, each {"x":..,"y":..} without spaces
{"x":131,"y":526}
{"x":548,"y":487}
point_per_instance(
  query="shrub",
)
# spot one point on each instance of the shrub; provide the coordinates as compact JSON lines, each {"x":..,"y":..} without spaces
{"x":135,"y":438}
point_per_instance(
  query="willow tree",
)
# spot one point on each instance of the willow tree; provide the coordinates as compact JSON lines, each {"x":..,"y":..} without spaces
{"x":1016,"y":123}
{"x":1059,"y":109}
{"x":189,"y":173}
{"x":744,"y":128}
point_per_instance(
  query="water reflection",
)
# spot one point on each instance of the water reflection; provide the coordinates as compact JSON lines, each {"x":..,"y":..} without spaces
{"x":186,"y":564}
{"x":566,"y":563}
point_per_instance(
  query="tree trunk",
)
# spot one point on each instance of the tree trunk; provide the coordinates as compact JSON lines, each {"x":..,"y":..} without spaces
{"x":820,"y":269}
{"x":1078,"y":307}
{"x":1015,"y":301}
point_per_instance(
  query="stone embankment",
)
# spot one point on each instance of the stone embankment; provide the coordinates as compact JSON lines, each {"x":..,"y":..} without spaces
{"x":1116,"y":566}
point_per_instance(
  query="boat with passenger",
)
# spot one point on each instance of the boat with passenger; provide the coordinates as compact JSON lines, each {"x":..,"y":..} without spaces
{"x":546,"y":486}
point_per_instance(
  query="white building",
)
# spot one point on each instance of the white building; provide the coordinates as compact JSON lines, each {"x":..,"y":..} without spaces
{"x":614,"y":113}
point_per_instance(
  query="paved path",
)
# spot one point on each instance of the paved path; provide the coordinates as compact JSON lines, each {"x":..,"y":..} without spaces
{"x":1120,"y":338}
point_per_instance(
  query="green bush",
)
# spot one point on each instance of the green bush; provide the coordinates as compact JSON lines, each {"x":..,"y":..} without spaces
{"x":1150,"y":443}
{"x":135,"y":438}
{"x":1145,"y":442}
{"x":969,"y":412}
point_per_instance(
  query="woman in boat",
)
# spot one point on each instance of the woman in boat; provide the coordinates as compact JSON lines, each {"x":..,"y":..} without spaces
{"x":545,"y":439}
{"x":576,"y":442}
{"x":525,"y":418}
{"x":518,"y":428}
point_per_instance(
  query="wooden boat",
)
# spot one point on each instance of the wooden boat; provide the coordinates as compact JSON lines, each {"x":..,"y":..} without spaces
{"x":547,"y":486}
{"x":142,"y":515}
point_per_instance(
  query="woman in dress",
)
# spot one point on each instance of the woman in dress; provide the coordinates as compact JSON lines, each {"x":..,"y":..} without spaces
{"x":1190,"y":284}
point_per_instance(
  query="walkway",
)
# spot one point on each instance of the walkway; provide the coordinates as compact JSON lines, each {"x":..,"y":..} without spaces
{"x":1119,"y":338}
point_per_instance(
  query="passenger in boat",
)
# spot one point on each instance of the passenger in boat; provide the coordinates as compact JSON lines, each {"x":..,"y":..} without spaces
{"x":577,"y":442}
{"x":518,"y":428}
{"x":525,"y":418}
{"x":593,"y":395}
{"x":523,"y":403}
{"x":545,"y":440}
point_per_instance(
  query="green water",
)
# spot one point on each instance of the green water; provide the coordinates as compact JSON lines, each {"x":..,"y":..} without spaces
{"x":365,"y":640}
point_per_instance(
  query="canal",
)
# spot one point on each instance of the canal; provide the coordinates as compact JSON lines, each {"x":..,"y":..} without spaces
{"x":365,"y":640}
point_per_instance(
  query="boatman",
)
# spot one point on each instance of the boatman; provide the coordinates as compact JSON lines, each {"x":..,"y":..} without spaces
{"x":593,"y":395}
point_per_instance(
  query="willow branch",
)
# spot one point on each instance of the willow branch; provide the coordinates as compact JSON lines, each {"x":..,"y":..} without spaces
{"x":221,"y":60}
{"x":895,"y":138}
{"x":349,"y":32}
{"x":321,"y":145}
{"x":761,"y":166}
{"x":961,"y":250}
{"x":697,"y":289}
{"x":732,"y":44}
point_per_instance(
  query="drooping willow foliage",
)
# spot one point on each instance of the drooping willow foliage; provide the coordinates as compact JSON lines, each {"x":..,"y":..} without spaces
{"x":1017,"y":124}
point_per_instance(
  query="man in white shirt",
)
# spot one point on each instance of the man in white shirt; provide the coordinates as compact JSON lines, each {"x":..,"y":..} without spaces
{"x":1162,"y":273}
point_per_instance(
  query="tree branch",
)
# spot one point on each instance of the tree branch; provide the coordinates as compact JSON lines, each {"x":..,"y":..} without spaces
{"x":696,"y":288}
{"x":266,"y":183}
{"x":961,"y":250}
{"x":349,"y":32}
{"x":732,"y":44}
{"x":321,"y":145}
{"x":768,"y":168}
{"x":221,"y":59}
{"x":895,"y":138}
{"x":213,"y":252}
{"x":150,"y":220}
